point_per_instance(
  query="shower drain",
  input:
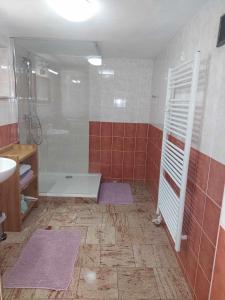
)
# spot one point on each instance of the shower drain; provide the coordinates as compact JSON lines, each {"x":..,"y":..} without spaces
{"x":68,"y":176}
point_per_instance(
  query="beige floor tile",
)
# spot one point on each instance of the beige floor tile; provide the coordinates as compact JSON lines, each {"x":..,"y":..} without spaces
{"x":117,"y":255}
{"x":60,"y":219}
{"x":123,"y":235}
{"x":171,"y":284}
{"x":121,"y":208}
{"x":89,"y":256}
{"x":155,"y":235}
{"x":89,"y":209}
{"x":116,"y":240}
{"x":134,"y":219}
{"x":137,"y":235}
{"x":87,"y":220}
{"x":103,"y":287}
{"x":115,"y":219}
{"x":93,"y":235}
{"x":154,"y":256}
{"x":137,"y":283}
{"x":107,"y":235}
{"x":101,"y":234}
{"x":9,"y":253}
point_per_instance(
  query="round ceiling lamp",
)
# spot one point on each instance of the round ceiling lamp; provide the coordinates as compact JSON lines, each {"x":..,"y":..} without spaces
{"x":75,"y":10}
{"x":95,"y":60}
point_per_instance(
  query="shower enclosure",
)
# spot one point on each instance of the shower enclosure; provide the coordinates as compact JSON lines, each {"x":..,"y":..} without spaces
{"x":52,"y":89}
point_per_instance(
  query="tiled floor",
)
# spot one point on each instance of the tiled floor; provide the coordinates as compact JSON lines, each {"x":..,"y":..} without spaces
{"x":131,"y":259}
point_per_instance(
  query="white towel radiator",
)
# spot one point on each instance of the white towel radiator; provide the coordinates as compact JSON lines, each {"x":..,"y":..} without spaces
{"x":178,"y":123}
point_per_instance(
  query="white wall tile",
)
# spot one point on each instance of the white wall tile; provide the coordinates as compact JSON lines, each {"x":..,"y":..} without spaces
{"x":131,"y":81}
{"x":199,"y":34}
{"x":8,"y":112}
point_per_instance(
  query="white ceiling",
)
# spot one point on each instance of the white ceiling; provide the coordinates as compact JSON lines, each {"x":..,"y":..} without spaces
{"x":125,"y":28}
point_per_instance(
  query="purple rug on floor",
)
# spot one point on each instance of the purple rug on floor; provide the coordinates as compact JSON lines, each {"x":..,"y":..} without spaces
{"x":46,"y":262}
{"x":115,"y":193}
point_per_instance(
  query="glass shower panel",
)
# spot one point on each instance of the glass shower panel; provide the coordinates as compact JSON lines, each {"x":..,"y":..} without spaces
{"x":59,"y":96}
{"x":64,"y":117}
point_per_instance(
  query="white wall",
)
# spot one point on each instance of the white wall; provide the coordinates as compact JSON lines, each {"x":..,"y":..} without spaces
{"x":199,"y":34}
{"x":130,"y":81}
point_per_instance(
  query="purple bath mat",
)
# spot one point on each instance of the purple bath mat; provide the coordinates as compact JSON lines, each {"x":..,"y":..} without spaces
{"x":115,"y":193}
{"x":46,"y":262}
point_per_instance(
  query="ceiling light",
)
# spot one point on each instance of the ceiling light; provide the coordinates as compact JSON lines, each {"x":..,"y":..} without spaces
{"x":4,"y":67}
{"x":53,"y":72}
{"x":95,"y":60}
{"x":106,"y":72}
{"x":76,"y":81}
{"x":75,"y":10}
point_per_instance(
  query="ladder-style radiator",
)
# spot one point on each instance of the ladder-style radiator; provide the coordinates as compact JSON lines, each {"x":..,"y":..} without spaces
{"x":177,"y":134}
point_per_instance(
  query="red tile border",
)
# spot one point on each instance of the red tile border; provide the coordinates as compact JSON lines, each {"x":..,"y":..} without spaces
{"x":94,"y":128}
{"x":106,"y":129}
{"x":118,"y":129}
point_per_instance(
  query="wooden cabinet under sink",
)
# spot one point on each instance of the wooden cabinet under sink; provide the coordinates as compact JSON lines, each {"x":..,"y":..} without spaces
{"x":10,"y":190}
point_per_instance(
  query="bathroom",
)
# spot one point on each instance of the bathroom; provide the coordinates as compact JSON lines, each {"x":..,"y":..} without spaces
{"x":84,"y":104}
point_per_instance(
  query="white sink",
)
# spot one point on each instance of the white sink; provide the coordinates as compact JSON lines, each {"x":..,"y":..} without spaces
{"x":7,"y":168}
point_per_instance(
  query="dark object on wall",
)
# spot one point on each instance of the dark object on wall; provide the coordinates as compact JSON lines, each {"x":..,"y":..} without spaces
{"x":221,"y":35}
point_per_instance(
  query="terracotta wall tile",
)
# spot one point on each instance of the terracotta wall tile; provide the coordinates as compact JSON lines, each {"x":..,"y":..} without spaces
{"x":140,"y":158}
{"x":128,"y":158}
{"x":106,"y":157}
{"x":94,"y":128}
{"x":206,"y":256}
{"x":117,"y":143}
{"x":202,"y":285}
{"x":211,"y":220}
{"x":216,"y":181}
{"x":130,"y":129}
{"x":106,"y":129}
{"x":202,"y":209}
{"x":199,"y":168}
{"x":142,"y":130}
{"x":193,"y":231}
{"x":128,"y":172}
{"x":94,"y":156}
{"x":117,"y":171}
{"x":195,"y":201}
{"x":94,"y":167}
{"x":218,"y":286}
{"x":117,"y":157}
{"x":129,"y":144}
{"x":118,"y":129}
{"x":94,"y":142}
{"x":106,"y":143}
{"x":106,"y":170}
{"x":139,"y":173}
{"x":141,"y":144}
